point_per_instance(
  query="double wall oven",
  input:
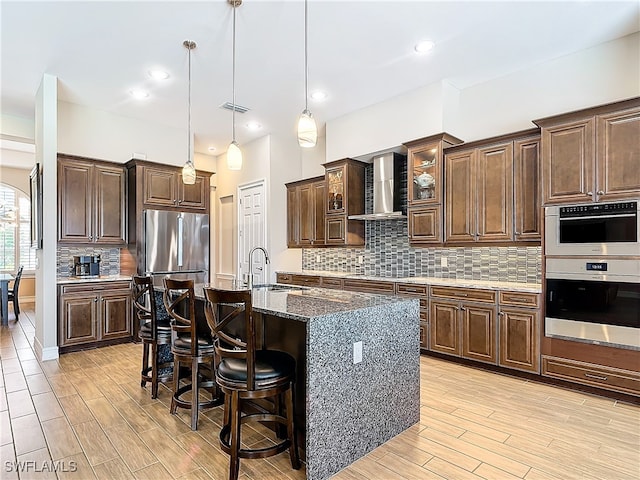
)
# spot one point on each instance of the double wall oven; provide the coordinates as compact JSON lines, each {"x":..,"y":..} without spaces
{"x":593,"y":273}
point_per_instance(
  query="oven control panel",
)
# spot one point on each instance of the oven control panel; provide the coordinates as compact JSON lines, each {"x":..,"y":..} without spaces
{"x":599,"y":209}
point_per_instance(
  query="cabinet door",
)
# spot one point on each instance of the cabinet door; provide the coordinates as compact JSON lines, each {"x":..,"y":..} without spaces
{"x":425,"y":176}
{"x":110,"y":203}
{"x":193,"y":196}
{"x":424,"y":225}
{"x":567,"y":162}
{"x":78,"y":319}
{"x":293,"y":217}
{"x":460,"y":193}
{"x":318,"y":190}
{"x":494,"y":205}
{"x":424,"y":335}
{"x":444,"y":335}
{"x":520,"y":339}
{"x":115,"y":313}
{"x":479,"y":332}
{"x":335,"y":230}
{"x":306,"y":212}
{"x":75,"y":202}
{"x":618,"y":154}
{"x":160,"y":187}
{"x":526,"y":190}
{"x":335,"y":199}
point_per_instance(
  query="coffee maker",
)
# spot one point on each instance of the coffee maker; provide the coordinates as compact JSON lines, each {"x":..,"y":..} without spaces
{"x":86,"y":265}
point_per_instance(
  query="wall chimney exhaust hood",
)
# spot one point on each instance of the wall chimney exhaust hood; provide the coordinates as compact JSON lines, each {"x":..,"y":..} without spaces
{"x":387,"y":182}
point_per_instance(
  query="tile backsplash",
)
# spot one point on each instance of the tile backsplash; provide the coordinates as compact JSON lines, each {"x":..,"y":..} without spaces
{"x":387,"y":253}
{"x":109,"y":259}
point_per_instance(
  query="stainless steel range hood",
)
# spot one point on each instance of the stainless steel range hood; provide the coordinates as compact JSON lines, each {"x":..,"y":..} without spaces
{"x":386,"y":200}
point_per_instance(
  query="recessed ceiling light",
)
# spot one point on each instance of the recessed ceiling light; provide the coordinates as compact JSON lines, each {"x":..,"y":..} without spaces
{"x":319,"y":96}
{"x":212,"y":149}
{"x":424,"y":46}
{"x":254,"y":126}
{"x":139,"y":94}
{"x":158,"y":74}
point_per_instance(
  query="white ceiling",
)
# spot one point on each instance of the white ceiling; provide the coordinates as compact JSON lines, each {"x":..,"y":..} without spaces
{"x":360,"y":52}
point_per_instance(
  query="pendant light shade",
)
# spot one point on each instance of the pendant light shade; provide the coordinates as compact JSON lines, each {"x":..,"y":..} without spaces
{"x":189,"y":169}
{"x":307,"y":129}
{"x":234,"y":154}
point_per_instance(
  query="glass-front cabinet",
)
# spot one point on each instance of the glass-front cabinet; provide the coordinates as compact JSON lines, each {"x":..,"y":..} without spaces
{"x":425,"y":184}
{"x":335,"y":189}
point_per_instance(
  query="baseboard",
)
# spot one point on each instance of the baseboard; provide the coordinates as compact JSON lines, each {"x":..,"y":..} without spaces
{"x":44,"y":354}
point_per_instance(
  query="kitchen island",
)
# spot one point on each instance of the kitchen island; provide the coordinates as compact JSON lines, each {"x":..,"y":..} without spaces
{"x":345,"y":407}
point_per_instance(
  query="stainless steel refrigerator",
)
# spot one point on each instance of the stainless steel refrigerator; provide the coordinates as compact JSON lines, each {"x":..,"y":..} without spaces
{"x":176,"y":244}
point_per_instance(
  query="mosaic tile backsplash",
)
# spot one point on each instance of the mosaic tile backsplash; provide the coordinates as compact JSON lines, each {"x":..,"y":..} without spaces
{"x":387,"y":253}
{"x":109,"y":259}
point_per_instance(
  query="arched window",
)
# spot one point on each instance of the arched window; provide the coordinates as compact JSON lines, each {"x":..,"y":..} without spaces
{"x":15,"y":230}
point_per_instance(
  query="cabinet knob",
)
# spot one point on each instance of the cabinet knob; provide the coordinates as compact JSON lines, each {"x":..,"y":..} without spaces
{"x":95,"y":300}
{"x":600,"y":192}
{"x":462,"y":309}
{"x":589,"y":194}
{"x":179,"y":202}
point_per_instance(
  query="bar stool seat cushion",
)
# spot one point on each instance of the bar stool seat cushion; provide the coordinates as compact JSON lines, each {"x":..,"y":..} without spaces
{"x":164,"y":328}
{"x":270,"y":364}
{"x":183,"y":342}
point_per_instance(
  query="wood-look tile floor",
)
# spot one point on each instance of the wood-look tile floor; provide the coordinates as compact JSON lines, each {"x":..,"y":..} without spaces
{"x":86,"y":412}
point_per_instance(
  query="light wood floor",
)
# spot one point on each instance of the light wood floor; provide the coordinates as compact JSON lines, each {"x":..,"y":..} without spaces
{"x":88,"y":408}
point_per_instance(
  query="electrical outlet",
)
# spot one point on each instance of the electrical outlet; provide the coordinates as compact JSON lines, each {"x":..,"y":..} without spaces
{"x":318,"y":259}
{"x":444,"y":262}
{"x":361,"y":259}
{"x":357,"y":352}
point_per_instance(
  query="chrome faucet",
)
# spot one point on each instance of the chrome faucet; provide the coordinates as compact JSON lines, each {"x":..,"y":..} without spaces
{"x":250,"y":274}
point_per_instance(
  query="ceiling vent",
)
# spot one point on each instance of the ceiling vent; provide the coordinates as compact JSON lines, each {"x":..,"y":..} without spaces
{"x":229,"y":106}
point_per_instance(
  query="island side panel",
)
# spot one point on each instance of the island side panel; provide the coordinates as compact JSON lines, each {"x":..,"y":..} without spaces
{"x":354,"y":408}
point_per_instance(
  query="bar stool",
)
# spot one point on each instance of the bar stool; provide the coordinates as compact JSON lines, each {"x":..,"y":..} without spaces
{"x":191,"y":349}
{"x":246,"y":373}
{"x":154,"y":332}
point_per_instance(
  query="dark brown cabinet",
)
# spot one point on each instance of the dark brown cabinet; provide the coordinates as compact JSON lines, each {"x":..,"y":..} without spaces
{"x":422,"y":293}
{"x":462,"y":323}
{"x":425,"y":187}
{"x":94,"y":313}
{"x":91,"y":202}
{"x":163,"y":187}
{"x":592,"y":154}
{"x":519,"y":331}
{"x":305,"y":213}
{"x":491,"y":190}
{"x":344,"y":196}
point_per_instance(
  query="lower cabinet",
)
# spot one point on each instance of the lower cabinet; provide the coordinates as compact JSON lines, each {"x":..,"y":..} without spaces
{"x":421,"y":292}
{"x":92,"y":313}
{"x":519,"y":320}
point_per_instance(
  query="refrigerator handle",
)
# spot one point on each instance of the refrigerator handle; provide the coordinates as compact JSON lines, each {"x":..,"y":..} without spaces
{"x":180,"y":232}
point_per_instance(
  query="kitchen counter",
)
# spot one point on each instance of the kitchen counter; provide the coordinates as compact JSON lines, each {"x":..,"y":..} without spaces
{"x":453,"y":282}
{"x":90,"y":279}
{"x":344,"y":409}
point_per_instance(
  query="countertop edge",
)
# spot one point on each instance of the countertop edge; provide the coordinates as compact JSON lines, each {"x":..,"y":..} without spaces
{"x":102,"y":278}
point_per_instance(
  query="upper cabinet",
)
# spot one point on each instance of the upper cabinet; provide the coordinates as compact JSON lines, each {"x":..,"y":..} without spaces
{"x":344,"y":196}
{"x":305,"y":213}
{"x":592,"y":155}
{"x":425,"y":187}
{"x":163,"y":187}
{"x":91,"y":201}
{"x":491,"y":190}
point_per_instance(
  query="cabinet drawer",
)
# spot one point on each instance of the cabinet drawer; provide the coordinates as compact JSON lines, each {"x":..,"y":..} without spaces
{"x":412,"y":289}
{"x":307,"y":280}
{"x":369,"y":286}
{"x":470,"y":294}
{"x":424,"y":314}
{"x":610,"y":378}
{"x":520,"y":299}
{"x":284,"y":278}
{"x":330,"y":282}
{"x":424,"y":335}
{"x":94,"y":287}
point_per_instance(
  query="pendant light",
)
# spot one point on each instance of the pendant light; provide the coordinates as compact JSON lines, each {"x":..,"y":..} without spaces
{"x":234,"y":154}
{"x":307,"y":129}
{"x":189,"y":170}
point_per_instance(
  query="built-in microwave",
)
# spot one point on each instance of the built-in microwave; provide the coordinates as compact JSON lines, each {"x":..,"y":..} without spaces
{"x":594,"y":300}
{"x":593,"y":229}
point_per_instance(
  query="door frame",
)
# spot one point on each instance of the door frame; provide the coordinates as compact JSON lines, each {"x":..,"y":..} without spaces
{"x":265,"y":236}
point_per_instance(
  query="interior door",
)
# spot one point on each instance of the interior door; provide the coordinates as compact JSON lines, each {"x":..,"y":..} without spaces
{"x":252,"y":232}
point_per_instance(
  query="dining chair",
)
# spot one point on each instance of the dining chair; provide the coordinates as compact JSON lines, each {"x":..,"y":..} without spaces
{"x":245,"y":373}
{"x":192,"y":348}
{"x":12,"y":293}
{"x":155,"y":334}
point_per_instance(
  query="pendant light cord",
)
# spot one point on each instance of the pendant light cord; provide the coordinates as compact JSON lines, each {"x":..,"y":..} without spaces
{"x":190,"y":46}
{"x":233,"y":78}
{"x":306,"y":61}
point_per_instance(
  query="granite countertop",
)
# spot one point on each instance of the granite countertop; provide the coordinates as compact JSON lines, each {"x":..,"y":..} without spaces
{"x":304,"y":303}
{"x":452,"y":282}
{"x":90,"y":279}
